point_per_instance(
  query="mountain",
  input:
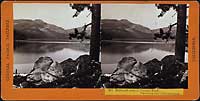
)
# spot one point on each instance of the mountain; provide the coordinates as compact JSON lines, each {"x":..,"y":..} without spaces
{"x":113,"y":29}
{"x":37,"y":29}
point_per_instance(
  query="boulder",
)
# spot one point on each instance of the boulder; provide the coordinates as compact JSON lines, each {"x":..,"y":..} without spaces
{"x":83,"y":66}
{"x":45,"y":70}
{"x":88,"y":71}
{"x":54,"y":72}
{"x":129,"y":71}
{"x":43,"y":63}
{"x":18,"y":79}
{"x":153,"y":67}
{"x":69,"y":66}
{"x":82,"y":72}
{"x":35,"y":75}
{"x":169,"y":66}
{"x":171,"y":72}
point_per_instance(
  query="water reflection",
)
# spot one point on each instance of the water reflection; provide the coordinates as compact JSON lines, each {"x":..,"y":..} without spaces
{"x":23,"y":47}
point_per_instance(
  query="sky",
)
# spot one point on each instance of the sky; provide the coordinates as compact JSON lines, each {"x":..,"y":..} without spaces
{"x":144,"y":14}
{"x":58,"y":14}
{"x":61,"y":14}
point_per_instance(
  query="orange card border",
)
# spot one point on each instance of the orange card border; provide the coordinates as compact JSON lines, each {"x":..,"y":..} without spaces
{"x":10,"y":93}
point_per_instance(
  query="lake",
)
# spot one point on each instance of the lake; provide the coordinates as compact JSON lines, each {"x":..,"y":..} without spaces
{"x":26,"y":53}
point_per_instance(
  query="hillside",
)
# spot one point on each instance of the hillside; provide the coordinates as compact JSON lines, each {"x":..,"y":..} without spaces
{"x":112,"y":29}
{"x":37,"y":29}
{"x":124,"y":30}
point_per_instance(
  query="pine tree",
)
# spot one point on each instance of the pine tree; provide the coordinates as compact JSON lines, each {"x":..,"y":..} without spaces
{"x":181,"y":27}
{"x":95,"y":34}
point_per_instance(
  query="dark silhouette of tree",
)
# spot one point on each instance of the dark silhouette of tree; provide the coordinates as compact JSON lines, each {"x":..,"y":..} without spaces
{"x":165,"y":35}
{"x":80,"y":7}
{"x":181,"y":33}
{"x":95,"y":34}
{"x":80,"y":34}
{"x":165,"y":8}
{"x":181,"y":27}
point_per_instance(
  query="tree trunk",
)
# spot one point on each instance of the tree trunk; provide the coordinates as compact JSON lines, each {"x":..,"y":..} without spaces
{"x":180,"y":34}
{"x":95,"y":34}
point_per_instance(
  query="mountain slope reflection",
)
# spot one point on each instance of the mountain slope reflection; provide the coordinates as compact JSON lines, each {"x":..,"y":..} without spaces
{"x":22,"y":47}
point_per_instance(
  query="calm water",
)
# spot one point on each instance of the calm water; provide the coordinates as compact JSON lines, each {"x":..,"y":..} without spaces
{"x":25,"y":54}
{"x":112,"y":53}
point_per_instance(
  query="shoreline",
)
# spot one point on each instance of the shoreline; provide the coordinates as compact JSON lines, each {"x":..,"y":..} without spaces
{"x":51,"y":41}
{"x":103,"y":41}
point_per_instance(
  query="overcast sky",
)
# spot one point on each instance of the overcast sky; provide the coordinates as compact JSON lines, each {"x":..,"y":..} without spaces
{"x":58,"y":14}
{"x":144,"y":14}
{"x":61,"y":14}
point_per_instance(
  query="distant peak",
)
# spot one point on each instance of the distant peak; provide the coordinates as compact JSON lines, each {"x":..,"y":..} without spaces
{"x":124,"y":20}
{"x":39,"y":21}
{"x":109,"y":20}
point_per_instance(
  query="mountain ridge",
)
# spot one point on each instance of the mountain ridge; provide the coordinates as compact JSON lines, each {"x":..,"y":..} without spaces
{"x":111,"y":29}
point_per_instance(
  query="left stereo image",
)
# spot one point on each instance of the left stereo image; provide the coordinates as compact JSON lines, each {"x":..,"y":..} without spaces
{"x":52,"y":45}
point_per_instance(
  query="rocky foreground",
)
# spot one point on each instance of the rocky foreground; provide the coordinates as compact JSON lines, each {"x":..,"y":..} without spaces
{"x":130,"y":73}
{"x":86,"y":73}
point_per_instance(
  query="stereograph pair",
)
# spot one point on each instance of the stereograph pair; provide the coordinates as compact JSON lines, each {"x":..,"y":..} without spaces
{"x":114,"y":48}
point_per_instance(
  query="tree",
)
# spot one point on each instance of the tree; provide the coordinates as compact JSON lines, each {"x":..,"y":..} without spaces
{"x":181,"y":27}
{"x":95,"y":34}
{"x":181,"y":33}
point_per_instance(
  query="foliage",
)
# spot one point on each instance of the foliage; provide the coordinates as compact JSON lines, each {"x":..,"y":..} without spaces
{"x":80,"y":7}
{"x":165,"y":8}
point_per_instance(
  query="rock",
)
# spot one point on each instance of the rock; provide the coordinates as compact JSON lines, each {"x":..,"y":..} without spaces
{"x":24,"y":85}
{"x":118,"y":77}
{"x":40,"y":66}
{"x":126,"y":63}
{"x":45,"y":70}
{"x":124,"y":66}
{"x":55,"y":69}
{"x":69,"y":66}
{"x":82,"y":72}
{"x":18,"y":79}
{"x":83,"y":66}
{"x":172,"y":72}
{"x":96,"y":67}
{"x":35,"y":76}
{"x":85,"y":82}
{"x":43,"y":63}
{"x":153,"y":67}
{"x":169,"y":67}
{"x":129,"y":71}
{"x":54,"y":72}
{"x":88,"y":72}
{"x":103,"y":81}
